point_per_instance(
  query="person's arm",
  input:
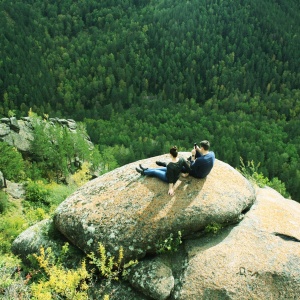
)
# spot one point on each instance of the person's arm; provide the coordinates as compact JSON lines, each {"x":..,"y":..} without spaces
{"x":193,"y":154}
{"x":173,"y":187}
{"x":198,"y":149}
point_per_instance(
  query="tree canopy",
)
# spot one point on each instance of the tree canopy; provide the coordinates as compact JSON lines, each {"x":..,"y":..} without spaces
{"x":11,"y":163}
{"x":147,"y":74}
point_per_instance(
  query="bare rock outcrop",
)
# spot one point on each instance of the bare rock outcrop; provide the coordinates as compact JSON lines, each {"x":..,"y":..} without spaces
{"x":257,"y":259}
{"x":121,"y":208}
{"x":15,"y":190}
{"x":19,"y":133}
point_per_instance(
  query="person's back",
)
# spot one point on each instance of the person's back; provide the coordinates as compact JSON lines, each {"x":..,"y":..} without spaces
{"x":174,"y":169}
{"x":202,"y":160}
{"x":203,"y":165}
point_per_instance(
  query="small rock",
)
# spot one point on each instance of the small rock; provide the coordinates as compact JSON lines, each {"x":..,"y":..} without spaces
{"x":153,"y":278}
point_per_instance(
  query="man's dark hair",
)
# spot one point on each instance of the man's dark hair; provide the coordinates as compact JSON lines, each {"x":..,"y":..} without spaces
{"x":205,"y":144}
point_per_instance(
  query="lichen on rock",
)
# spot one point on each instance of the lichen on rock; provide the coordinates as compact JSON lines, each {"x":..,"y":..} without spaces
{"x":135,"y":212}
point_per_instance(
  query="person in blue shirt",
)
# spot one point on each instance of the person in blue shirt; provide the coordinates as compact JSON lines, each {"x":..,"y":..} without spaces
{"x":202,"y":160}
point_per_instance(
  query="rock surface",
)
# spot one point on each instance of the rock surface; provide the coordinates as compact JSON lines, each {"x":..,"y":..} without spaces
{"x":152,"y":277}
{"x":1,"y":180}
{"x":122,"y":208}
{"x":116,"y":290}
{"x":19,"y":133}
{"x":43,"y":234}
{"x":15,"y":190}
{"x":257,"y":259}
{"x":30,"y":240}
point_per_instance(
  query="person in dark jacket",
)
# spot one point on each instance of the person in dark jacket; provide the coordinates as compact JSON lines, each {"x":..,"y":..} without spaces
{"x":169,"y":173}
{"x":202,"y":160}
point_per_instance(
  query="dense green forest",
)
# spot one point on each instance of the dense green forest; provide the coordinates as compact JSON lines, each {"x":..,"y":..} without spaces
{"x":143,"y":75}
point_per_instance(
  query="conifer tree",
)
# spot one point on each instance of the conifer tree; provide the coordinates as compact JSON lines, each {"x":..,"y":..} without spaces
{"x":11,"y":163}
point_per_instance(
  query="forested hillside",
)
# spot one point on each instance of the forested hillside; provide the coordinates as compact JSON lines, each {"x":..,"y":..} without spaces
{"x":144,"y":75}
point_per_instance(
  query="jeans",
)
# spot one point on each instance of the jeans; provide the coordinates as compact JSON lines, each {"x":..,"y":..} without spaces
{"x":160,"y":173}
{"x":184,"y":170}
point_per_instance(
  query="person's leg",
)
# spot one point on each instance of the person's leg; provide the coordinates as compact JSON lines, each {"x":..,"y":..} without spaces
{"x":160,"y":173}
{"x":161,"y":163}
{"x":191,"y":159}
{"x":184,"y":170}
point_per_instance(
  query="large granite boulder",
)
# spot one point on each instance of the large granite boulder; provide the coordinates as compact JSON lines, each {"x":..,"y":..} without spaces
{"x":124,"y":209}
{"x":32,"y":239}
{"x":69,"y":123}
{"x":44,"y":234}
{"x":4,"y":129}
{"x":14,"y":125}
{"x":257,"y":259}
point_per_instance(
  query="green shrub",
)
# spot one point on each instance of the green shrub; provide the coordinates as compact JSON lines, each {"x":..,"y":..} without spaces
{"x":10,"y":228}
{"x":57,"y":281}
{"x":108,"y":266}
{"x":279,"y":186}
{"x":33,"y":171}
{"x":250,"y":171}
{"x":42,"y":199}
{"x":36,"y":192}
{"x":213,"y":227}
{"x":58,"y":193}
{"x":4,"y":203}
{"x":11,"y":162}
{"x":171,"y":243}
{"x":12,"y":283}
{"x":34,"y":215}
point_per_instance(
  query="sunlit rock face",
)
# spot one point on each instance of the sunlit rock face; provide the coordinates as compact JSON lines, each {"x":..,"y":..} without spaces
{"x":257,"y":259}
{"x":124,"y":209}
{"x":256,"y":255}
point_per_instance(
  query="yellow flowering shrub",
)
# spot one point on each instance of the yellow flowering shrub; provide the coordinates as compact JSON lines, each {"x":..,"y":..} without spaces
{"x":81,"y":176}
{"x":58,"y":281}
{"x":109,"y":267}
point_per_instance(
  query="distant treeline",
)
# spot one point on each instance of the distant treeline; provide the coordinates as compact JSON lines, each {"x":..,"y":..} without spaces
{"x":87,"y":58}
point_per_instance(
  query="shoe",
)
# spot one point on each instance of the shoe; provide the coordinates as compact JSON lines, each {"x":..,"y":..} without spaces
{"x":161,"y":163}
{"x":189,"y":159}
{"x":140,"y":171}
{"x":143,"y":167}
